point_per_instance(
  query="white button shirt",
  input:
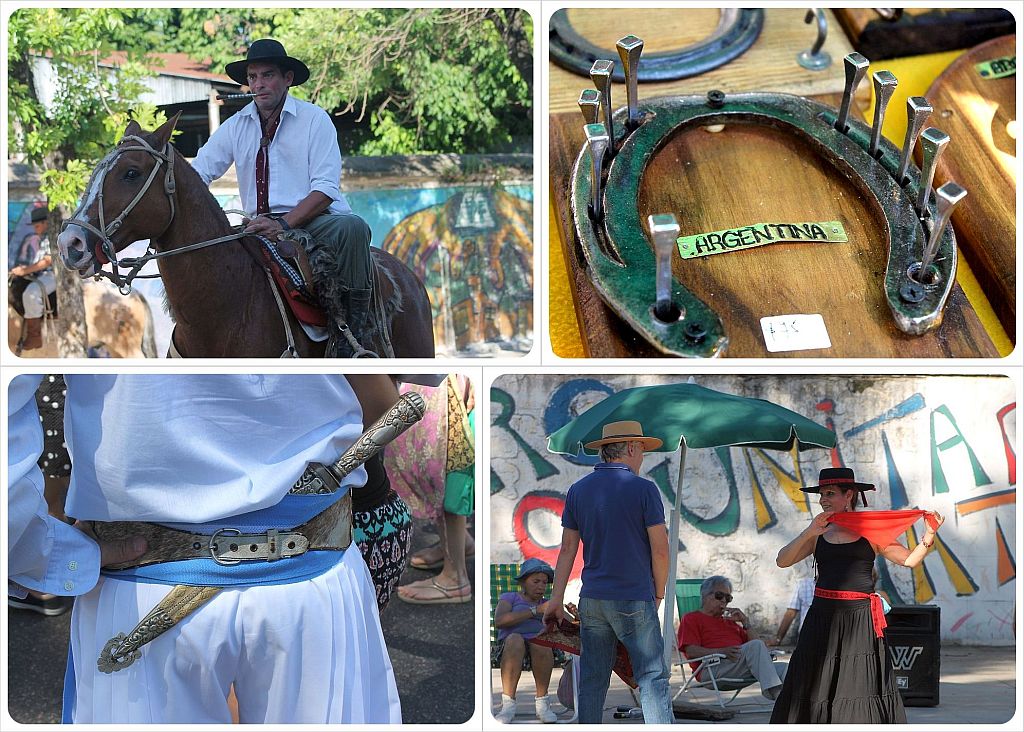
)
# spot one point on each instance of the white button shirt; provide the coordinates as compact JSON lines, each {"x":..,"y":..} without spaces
{"x":304,"y":156}
{"x":179,"y":448}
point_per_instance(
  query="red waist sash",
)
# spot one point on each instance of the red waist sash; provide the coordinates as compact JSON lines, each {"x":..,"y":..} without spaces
{"x":877,"y":613}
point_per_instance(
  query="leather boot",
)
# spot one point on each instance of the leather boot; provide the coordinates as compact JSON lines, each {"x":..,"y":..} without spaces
{"x":33,"y":334}
{"x":358,"y":306}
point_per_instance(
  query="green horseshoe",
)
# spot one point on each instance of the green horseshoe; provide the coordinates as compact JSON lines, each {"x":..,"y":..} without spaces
{"x":622,"y":265}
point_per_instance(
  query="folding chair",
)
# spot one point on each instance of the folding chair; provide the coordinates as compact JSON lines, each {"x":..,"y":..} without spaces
{"x":503,"y":579}
{"x":688,"y":600}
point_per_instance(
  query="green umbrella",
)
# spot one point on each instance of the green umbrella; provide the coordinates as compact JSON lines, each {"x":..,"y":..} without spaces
{"x":687,"y":415}
{"x":698,"y":416}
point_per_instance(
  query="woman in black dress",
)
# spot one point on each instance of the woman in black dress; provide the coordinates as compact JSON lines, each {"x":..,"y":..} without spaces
{"x":840,"y":671}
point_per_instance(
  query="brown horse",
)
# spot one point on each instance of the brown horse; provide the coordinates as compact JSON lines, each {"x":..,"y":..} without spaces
{"x":219,"y":295}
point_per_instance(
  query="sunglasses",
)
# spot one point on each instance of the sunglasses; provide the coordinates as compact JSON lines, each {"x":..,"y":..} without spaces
{"x":723,"y":596}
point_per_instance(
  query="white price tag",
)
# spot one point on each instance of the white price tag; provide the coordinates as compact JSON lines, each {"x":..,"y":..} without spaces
{"x":794,"y":333}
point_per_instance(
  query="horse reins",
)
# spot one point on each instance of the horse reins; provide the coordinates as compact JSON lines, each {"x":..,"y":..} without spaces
{"x":106,"y":230}
{"x":135,"y":264}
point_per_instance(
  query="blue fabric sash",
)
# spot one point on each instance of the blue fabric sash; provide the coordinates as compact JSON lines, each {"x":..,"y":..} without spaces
{"x":292,"y":511}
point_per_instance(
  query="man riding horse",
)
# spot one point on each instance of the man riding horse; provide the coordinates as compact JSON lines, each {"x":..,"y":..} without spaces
{"x":288,"y":163}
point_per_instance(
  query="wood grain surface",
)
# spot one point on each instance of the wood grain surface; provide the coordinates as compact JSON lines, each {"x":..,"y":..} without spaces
{"x":768,"y":65}
{"x":746,"y":174}
{"x":979,"y":116}
{"x":921,"y":30}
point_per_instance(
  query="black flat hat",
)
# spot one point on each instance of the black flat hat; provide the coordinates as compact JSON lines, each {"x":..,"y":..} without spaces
{"x":841,"y":478}
{"x":39,"y":213}
{"x":267,"y":50}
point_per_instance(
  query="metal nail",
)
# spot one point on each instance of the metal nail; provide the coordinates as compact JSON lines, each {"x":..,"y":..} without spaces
{"x":664,"y":231}
{"x":590,"y":102}
{"x":919,"y":110}
{"x":933,"y":142}
{"x":947,"y":197}
{"x":856,"y":66}
{"x":601,"y":75}
{"x":597,"y":139}
{"x":885,"y":84}
{"x":814,"y":59}
{"x":629,"y":49}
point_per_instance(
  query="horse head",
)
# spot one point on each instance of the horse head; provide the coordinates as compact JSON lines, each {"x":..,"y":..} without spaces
{"x":126,"y":200}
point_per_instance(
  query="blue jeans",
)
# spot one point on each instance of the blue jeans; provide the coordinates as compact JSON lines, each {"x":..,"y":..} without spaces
{"x":635,"y":623}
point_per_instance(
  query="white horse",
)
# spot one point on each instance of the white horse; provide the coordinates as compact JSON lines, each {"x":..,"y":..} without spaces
{"x":116,"y":326}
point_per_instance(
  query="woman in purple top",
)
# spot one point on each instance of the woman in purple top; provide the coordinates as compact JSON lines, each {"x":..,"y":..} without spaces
{"x":518,"y":619}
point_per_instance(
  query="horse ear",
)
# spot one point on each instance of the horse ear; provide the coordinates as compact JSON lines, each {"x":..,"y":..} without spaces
{"x":163,"y":133}
{"x":133,"y":128}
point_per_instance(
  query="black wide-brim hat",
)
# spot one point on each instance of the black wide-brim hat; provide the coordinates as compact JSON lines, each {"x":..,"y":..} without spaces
{"x":39,"y":213}
{"x":841,"y":478}
{"x":267,"y":50}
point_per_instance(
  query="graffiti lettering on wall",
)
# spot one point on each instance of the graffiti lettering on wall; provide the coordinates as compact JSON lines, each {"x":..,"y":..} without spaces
{"x":886,"y":426}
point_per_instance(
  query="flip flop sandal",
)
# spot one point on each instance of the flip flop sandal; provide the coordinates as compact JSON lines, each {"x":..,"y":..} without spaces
{"x":433,"y":565}
{"x":447,"y":597}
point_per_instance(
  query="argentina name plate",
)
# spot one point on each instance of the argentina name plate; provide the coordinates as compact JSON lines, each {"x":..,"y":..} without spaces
{"x":757,"y":235}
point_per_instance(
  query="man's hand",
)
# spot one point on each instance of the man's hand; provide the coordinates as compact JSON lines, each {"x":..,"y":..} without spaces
{"x":731,"y":652}
{"x":115,"y":552}
{"x":735,"y":614}
{"x":554,"y":614}
{"x":264,"y":226}
{"x":19,"y":271}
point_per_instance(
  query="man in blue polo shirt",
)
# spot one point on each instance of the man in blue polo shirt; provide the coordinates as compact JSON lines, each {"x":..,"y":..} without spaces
{"x":621,"y":521}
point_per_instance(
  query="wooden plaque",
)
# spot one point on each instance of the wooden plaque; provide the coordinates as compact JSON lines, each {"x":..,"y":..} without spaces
{"x":979,"y":115}
{"x":741,"y":175}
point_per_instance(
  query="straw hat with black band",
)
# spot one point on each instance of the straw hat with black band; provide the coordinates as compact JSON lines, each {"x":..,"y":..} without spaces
{"x":625,"y":431}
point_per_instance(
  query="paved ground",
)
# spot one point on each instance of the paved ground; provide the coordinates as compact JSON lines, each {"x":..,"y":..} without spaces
{"x":977,"y":685}
{"x":432,"y":650}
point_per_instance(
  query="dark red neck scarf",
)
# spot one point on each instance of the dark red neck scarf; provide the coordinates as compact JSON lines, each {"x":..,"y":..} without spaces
{"x":879,"y":527}
{"x":269,"y":128}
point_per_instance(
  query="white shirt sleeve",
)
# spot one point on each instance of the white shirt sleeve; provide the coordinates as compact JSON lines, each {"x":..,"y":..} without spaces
{"x":795,"y":601}
{"x":216,"y":156}
{"x":324,"y":157}
{"x":44,"y":554}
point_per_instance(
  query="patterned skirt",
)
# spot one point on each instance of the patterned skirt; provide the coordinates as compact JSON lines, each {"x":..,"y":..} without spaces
{"x":384,"y":535}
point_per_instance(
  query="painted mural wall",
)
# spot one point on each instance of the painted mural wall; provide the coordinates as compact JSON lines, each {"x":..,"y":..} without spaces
{"x":940,"y":443}
{"x":470,"y":244}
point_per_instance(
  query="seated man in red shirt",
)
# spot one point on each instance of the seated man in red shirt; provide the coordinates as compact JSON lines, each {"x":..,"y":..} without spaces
{"x":718,"y":628}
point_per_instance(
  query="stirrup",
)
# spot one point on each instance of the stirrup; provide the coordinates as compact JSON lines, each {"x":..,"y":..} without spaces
{"x":354,"y":344}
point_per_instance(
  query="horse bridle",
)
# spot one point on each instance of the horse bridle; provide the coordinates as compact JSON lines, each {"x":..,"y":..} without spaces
{"x":106,"y":230}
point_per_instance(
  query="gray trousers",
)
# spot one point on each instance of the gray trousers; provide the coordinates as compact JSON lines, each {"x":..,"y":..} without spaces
{"x":754,"y":661}
{"x":341,"y":254}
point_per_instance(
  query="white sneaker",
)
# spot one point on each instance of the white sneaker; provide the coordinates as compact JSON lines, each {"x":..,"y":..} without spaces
{"x":544,"y":713}
{"x":508,"y":710}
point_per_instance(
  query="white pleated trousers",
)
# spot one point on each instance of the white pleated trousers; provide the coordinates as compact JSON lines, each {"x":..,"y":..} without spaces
{"x":310,"y":652}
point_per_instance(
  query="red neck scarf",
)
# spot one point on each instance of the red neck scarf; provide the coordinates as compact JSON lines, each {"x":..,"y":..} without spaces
{"x":879,"y":527}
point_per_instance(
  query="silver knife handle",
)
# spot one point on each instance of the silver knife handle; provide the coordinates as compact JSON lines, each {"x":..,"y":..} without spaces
{"x":403,"y":414}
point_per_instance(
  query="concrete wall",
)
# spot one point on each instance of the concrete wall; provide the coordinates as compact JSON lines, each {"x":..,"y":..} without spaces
{"x":938,"y":443}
